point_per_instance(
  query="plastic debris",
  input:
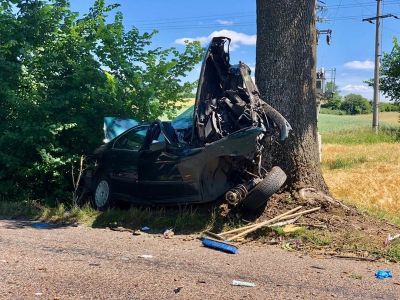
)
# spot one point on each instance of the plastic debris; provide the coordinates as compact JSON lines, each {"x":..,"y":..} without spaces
{"x":382,"y":274}
{"x":38,"y":294}
{"x":219,"y":245}
{"x":169,"y":233}
{"x":243,"y":283}
{"x":290,"y":228}
{"x":40,"y":225}
{"x":178,"y":289}
{"x":391,"y":238}
{"x":145,"y":228}
{"x":147,"y":256}
{"x":94,"y":264}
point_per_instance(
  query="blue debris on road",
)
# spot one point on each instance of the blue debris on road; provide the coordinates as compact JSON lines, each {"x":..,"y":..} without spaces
{"x":41,"y":225}
{"x":382,"y":274}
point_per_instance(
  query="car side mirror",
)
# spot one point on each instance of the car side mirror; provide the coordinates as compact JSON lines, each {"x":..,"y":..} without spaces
{"x":158,"y":146}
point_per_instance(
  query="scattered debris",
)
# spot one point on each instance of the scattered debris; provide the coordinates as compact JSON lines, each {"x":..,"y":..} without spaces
{"x":41,"y":225}
{"x":318,"y":267}
{"x":121,"y":229}
{"x":290,"y":228}
{"x":38,"y":294}
{"x":390,"y":238}
{"x":145,"y":229}
{"x":136,"y":232}
{"x":94,"y":264}
{"x":201,"y":281}
{"x":213,"y":235}
{"x":219,"y":245}
{"x":355,"y":257}
{"x":243,"y":283}
{"x":251,"y":228}
{"x":178,"y":289}
{"x":169,"y":233}
{"x":355,"y":276}
{"x":382,"y":274}
{"x":3,"y":261}
{"x":147,"y":256}
{"x":221,"y":241}
{"x":396,"y":283}
{"x":287,"y":247}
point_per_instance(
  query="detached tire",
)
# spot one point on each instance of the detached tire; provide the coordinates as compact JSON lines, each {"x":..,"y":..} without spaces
{"x":258,"y":197}
{"x":102,"y":196}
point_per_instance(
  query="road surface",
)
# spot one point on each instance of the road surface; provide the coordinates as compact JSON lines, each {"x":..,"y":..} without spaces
{"x":85,"y":263}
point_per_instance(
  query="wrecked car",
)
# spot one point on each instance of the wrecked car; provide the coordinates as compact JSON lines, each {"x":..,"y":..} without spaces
{"x":212,"y":151}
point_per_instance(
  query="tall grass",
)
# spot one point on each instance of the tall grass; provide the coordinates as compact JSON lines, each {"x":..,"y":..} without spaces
{"x":366,"y":175}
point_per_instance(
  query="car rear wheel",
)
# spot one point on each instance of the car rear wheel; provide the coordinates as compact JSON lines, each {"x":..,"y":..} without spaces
{"x":103,"y":194}
{"x":258,"y":197}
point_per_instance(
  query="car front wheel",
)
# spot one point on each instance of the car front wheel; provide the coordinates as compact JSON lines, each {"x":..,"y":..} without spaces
{"x":258,"y":197}
{"x":102,"y":195}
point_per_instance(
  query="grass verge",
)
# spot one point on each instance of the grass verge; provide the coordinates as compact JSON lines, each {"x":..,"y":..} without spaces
{"x":185,"y":219}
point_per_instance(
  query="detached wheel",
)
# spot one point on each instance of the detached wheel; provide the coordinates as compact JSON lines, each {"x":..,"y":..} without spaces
{"x":259,"y":195}
{"x":102,"y":194}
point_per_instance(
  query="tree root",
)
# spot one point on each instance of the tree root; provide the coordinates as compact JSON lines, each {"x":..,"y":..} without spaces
{"x":312,"y":195}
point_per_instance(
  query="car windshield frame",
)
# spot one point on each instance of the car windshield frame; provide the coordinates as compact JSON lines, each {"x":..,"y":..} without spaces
{"x":136,"y":128}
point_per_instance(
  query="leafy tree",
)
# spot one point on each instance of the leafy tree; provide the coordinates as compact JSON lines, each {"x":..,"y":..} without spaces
{"x":61,"y":74}
{"x":390,"y":73}
{"x":334,"y":99}
{"x":355,"y":104}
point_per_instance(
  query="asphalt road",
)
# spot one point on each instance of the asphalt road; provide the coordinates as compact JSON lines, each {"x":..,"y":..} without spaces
{"x":86,"y":263}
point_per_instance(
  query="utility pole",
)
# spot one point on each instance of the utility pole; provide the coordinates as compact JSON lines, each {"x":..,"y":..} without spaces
{"x":375,"y":116}
{"x":375,"y":113}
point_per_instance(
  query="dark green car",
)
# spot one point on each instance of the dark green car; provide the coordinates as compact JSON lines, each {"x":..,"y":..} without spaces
{"x":212,"y":151}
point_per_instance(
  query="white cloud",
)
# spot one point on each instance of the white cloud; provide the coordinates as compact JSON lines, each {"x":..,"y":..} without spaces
{"x":360,"y":65}
{"x":354,"y":88}
{"x":238,"y":38}
{"x":361,"y":89}
{"x":225,"y":22}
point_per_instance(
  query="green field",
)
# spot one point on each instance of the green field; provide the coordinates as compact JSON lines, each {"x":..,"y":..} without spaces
{"x":331,"y":123}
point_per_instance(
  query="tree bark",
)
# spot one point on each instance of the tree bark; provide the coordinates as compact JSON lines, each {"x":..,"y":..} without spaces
{"x":285,"y":76}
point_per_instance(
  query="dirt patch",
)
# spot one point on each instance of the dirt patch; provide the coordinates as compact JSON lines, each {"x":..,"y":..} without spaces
{"x":336,"y":229}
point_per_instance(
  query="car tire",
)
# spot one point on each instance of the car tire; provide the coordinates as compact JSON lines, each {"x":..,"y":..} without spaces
{"x":102,"y":195}
{"x":260,"y":194}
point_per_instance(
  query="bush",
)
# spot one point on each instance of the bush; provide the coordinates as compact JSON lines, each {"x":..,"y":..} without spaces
{"x":355,"y":104}
{"x":60,"y":75}
{"x":384,"y":106}
{"x":328,"y":111}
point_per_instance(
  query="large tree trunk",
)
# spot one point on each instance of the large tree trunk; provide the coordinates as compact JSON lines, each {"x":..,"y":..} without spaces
{"x":285,"y":75}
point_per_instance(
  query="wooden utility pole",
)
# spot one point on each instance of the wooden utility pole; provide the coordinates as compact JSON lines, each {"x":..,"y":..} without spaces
{"x":375,"y":117}
{"x":377,"y":19}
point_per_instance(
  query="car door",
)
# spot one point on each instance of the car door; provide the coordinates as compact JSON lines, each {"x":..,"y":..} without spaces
{"x":124,"y":158}
{"x":159,"y":176}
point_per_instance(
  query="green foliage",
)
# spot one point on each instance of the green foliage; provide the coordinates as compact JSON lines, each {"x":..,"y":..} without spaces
{"x":333,"y":103}
{"x":390,"y":73}
{"x":333,"y":97}
{"x":384,"y":106}
{"x":61,"y":74}
{"x":328,"y":111}
{"x":355,"y":104}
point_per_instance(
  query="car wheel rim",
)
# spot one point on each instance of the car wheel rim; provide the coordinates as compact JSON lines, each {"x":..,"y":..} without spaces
{"x":102,"y":192}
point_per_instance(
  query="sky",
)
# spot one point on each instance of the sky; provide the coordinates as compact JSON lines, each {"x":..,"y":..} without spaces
{"x":351,"y":50}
